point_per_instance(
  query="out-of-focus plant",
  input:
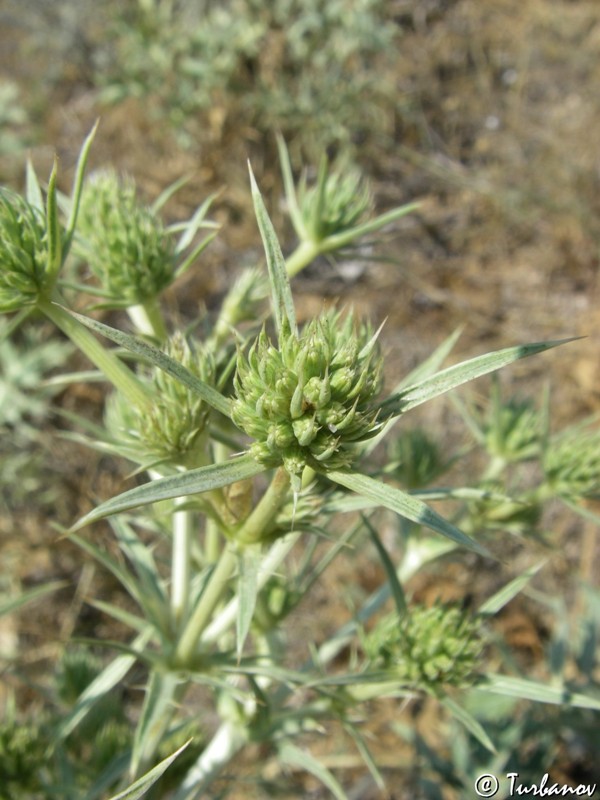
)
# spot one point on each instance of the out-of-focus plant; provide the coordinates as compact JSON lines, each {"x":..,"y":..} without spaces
{"x":300,"y":67}
{"x":255,"y":441}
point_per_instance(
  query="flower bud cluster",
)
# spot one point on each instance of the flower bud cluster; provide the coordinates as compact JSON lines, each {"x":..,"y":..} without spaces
{"x":572,"y":463}
{"x":308,"y":401}
{"x":23,"y":252}
{"x":124,"y":242}
{"x":172,"y":431}
{"x":429,"y":647}
{"x":337,"y":206}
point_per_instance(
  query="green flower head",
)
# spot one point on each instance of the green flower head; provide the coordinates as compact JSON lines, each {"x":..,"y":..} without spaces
{"x":171,"y":432}
{"x":429,"y":647}
{"x":123,"y":241}
{"x":24,"y":257}
{"x":307,"y":402}
{"x":338,"y":202}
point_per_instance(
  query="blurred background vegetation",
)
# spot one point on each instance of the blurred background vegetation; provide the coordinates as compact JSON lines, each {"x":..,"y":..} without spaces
{"x":486,"y":112}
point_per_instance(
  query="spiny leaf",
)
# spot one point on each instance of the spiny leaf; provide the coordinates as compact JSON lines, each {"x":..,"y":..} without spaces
{"x":141,"y":786}
{"x":461,"y":373}
{"x":405,"y":505}
{"x":283,"y":302}
{"x":160,"y":360}
{"x":193,"y":481}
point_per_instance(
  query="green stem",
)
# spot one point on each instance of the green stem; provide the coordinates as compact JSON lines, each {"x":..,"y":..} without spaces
{"x":115,"y":371}
{"x":148,"y":319}
{"x":180,"y":579}
{"x":303,"y":255}
{"x":213,"y":592}
{"x":258,"y":525}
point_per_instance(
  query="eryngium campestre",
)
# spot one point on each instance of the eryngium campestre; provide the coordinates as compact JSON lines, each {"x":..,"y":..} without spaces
{"x":308,"y":401}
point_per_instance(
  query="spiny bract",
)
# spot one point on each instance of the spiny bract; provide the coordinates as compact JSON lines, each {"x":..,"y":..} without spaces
{"x":306,"y":402}
{"x":23,"y":252}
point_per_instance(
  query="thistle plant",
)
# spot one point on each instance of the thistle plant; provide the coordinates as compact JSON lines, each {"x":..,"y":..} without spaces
{"x":254,"y":442}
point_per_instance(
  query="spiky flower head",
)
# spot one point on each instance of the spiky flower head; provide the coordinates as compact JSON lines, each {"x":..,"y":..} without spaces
{"x":307,"y":402}
{"x":337,"y":203}
{"x":428,"y":647}
{"x":123,"y":241}
{"x":24,"y":257}
{"x":572,"y":463}
{"x":172,"y":431}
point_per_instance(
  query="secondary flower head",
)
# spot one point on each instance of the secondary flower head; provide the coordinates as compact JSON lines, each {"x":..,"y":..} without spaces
{"x":23,"y":252}
{"x":338,"y":202}
{"x":171,"y":432}
{"x":307,"y":402}
{"x":429,"y":647}
{"x":123,"y":241}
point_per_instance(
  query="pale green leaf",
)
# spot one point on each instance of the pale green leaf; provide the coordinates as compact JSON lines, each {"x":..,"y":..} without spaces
{"x":538,"y":692}
{"x":405,"y":505}
{"x":390,"y":571}
{"x":9,"y":604}
{"x":283,"y":302}
{"x":159,"y":702}
{"x":141,"y":786}
{"x":249,"y":564}
{"x":469,"y":722}
{"x":194,"y":481}
{"x":33,"y":191}
{"x":345,"y":238}
{"x":160,"y":360}
{"x":462,"y":373}
{"x":506,"y":594}
{"x":53,"y":231}
{"x":101,"y":685}
{"x":78,"y":187}
{"x":290,"y":189}
{"x":290,"y":754}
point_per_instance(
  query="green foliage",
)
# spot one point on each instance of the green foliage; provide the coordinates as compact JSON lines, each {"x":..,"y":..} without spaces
{"x":255,"y":459}
{"x":294,"y":66}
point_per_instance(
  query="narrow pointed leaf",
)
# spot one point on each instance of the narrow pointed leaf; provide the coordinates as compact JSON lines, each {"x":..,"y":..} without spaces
{"x":469,"y":722}
{"x":141,"y":786}
{"x":7,"y":328}
{"x":538,"y":692}
{"x":100,"y":686}
{"x":33,"y":191}
{"x":248,"y":587}
{"x":189,"y":260}
{"x":53,"y":226}
{"x":9,"y":604}
{"x":194,"y":224}
{"x":392,"y":577}
{"x":506,"y":594}
{"x":78,"y":186}
{"x":283,"y":302}
{"x":405,"y":505}
{"x":203,"y":479}
{"x":461,"y":373}
{"x":138,"y":624}
{"x":290,"y":754}
{"x":156,"y":712}
{"x":347,"y":237}
{"x":289,"y":187}
{"x":160,"y":360}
